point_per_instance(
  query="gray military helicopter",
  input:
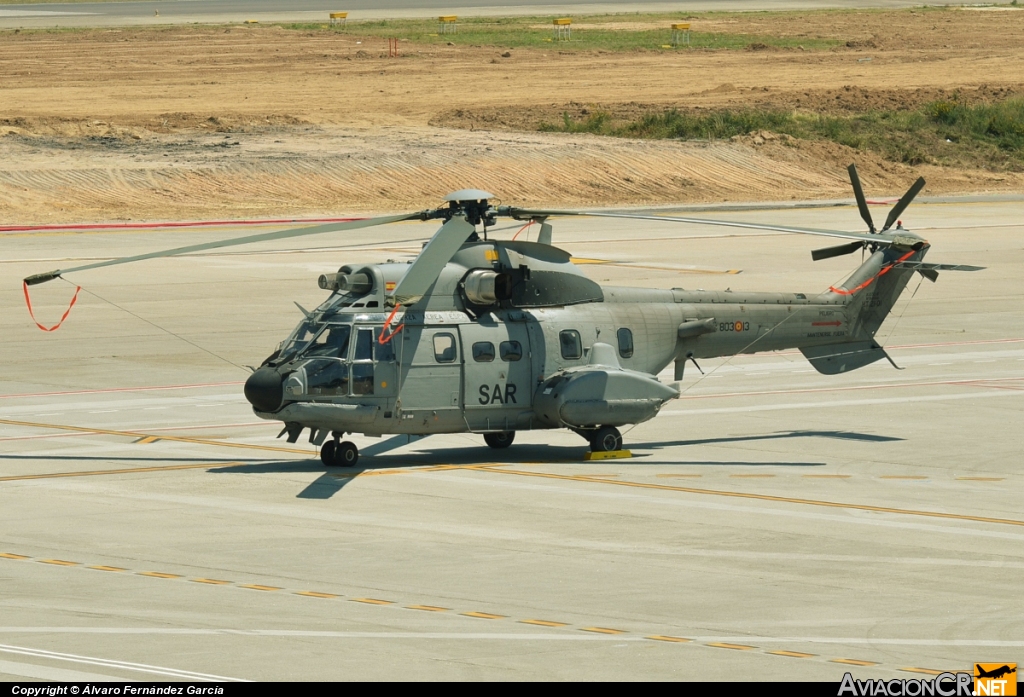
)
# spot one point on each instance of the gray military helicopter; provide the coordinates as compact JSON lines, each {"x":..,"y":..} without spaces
{"x":494,"y":336}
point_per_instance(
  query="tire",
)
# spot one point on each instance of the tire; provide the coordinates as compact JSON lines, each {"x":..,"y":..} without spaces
{"x":327,"y":452}
{"x":346,"y":455}
{"x":606,"y":439}
{"x":500,"y":440}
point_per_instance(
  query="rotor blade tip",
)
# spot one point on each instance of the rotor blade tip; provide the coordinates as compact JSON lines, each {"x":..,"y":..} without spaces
{"x":42,"y":277}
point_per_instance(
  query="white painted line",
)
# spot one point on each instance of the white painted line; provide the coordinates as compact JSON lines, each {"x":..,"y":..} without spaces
{"x":122,"y":665}
{"x":4,"y":14}
{"x":840,"y":403}
{"x":29,"y":670}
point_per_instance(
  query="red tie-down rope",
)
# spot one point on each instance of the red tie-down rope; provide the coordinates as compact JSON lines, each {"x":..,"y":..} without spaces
{"x":865,"y":284}
{"x":384,"y":337}
{"x":28,"y":302}
{"x":521,"y":229}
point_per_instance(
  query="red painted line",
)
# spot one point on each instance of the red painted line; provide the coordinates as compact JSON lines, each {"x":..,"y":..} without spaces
{"x":826,"y":324}
{"x":979,"y":382}
{"x":122,"y":389}
{"x":182,"y":224}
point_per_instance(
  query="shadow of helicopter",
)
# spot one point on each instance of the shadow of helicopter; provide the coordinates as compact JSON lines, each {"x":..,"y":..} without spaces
{"x":331,"y":482}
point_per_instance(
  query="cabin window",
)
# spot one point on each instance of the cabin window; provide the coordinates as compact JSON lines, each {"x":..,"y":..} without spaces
{"x":483,"y":352}
{"x":511,"y":350}
{"x":625,"y":343}
{"x":444,"y":348}
{"x":572,"y":346}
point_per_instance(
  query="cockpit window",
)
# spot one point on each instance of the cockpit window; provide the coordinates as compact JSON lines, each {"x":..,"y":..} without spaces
{"x":331,"y":342}
{"x":298,"y":339}
{"x":364,"y":345}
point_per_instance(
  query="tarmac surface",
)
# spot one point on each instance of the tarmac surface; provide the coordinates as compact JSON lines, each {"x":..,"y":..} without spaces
{"x":773,"y":523}
{"x":95,"y":14}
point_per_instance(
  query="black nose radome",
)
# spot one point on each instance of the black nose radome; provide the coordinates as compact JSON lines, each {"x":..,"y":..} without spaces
{"x":265,"y":389}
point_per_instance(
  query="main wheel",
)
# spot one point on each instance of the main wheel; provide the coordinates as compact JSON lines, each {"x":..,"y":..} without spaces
{"x":499,"y":440}
{"x":327,"y":452}
{"x":347,"y":454}
{"x":606,"y":439}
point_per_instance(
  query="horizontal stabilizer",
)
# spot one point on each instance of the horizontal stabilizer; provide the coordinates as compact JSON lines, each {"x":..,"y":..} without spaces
{"x":842,"y":358}
{"x":924,"y":266}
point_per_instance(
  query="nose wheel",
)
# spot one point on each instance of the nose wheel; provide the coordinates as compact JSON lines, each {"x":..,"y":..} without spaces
{"x":605,"y":440}
{"x":343,"y":454}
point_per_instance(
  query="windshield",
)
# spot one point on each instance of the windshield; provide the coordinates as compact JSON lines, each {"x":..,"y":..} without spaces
{"x":332,"y":341}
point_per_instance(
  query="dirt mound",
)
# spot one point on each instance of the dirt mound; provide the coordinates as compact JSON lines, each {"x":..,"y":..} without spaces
{"x":187,"y":122}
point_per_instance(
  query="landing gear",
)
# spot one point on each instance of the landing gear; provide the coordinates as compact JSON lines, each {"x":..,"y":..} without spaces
{"x":343,"y":454}
{"x":500,"y":440}
{"x":606,"y":439}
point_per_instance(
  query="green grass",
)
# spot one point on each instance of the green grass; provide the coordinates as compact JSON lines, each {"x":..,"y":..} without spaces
{"x":537,"y":32}
{"x":987,"y":136}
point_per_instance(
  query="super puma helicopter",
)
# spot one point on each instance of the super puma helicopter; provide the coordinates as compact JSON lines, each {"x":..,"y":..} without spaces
{"x":493,"y":337}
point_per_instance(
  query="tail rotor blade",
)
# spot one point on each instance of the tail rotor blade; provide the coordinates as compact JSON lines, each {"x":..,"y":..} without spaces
{"x":862,"y":203}
{"x":901,"y":205}
{"x":837,"y":251}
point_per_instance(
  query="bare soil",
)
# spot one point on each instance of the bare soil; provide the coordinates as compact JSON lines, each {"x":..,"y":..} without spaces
{"x":191,"y":122}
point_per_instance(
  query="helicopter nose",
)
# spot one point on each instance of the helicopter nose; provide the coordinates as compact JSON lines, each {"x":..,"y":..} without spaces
{"x":265,"y":389}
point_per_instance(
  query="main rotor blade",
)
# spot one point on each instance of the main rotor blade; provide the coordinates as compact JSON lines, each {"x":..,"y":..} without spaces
{"x":837,"y":251}
{"x":248,"y":239}
{"x":432,"y":260}
{"x":862,"y":203}
{"x":523,"y":213}
{"x":894,"y":214}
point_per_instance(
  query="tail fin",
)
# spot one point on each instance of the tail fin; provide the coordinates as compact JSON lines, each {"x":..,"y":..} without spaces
{"x":869,"y":294}
{"x":873,"y":289}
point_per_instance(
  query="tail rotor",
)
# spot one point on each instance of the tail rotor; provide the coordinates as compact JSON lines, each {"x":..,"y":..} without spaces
{"x":865,"y":213}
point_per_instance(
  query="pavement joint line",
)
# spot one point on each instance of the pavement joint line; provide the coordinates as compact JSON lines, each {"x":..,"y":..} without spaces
{"x":744,"y":495}
{"x":926,"y":671}
{"x":474,"y":614}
